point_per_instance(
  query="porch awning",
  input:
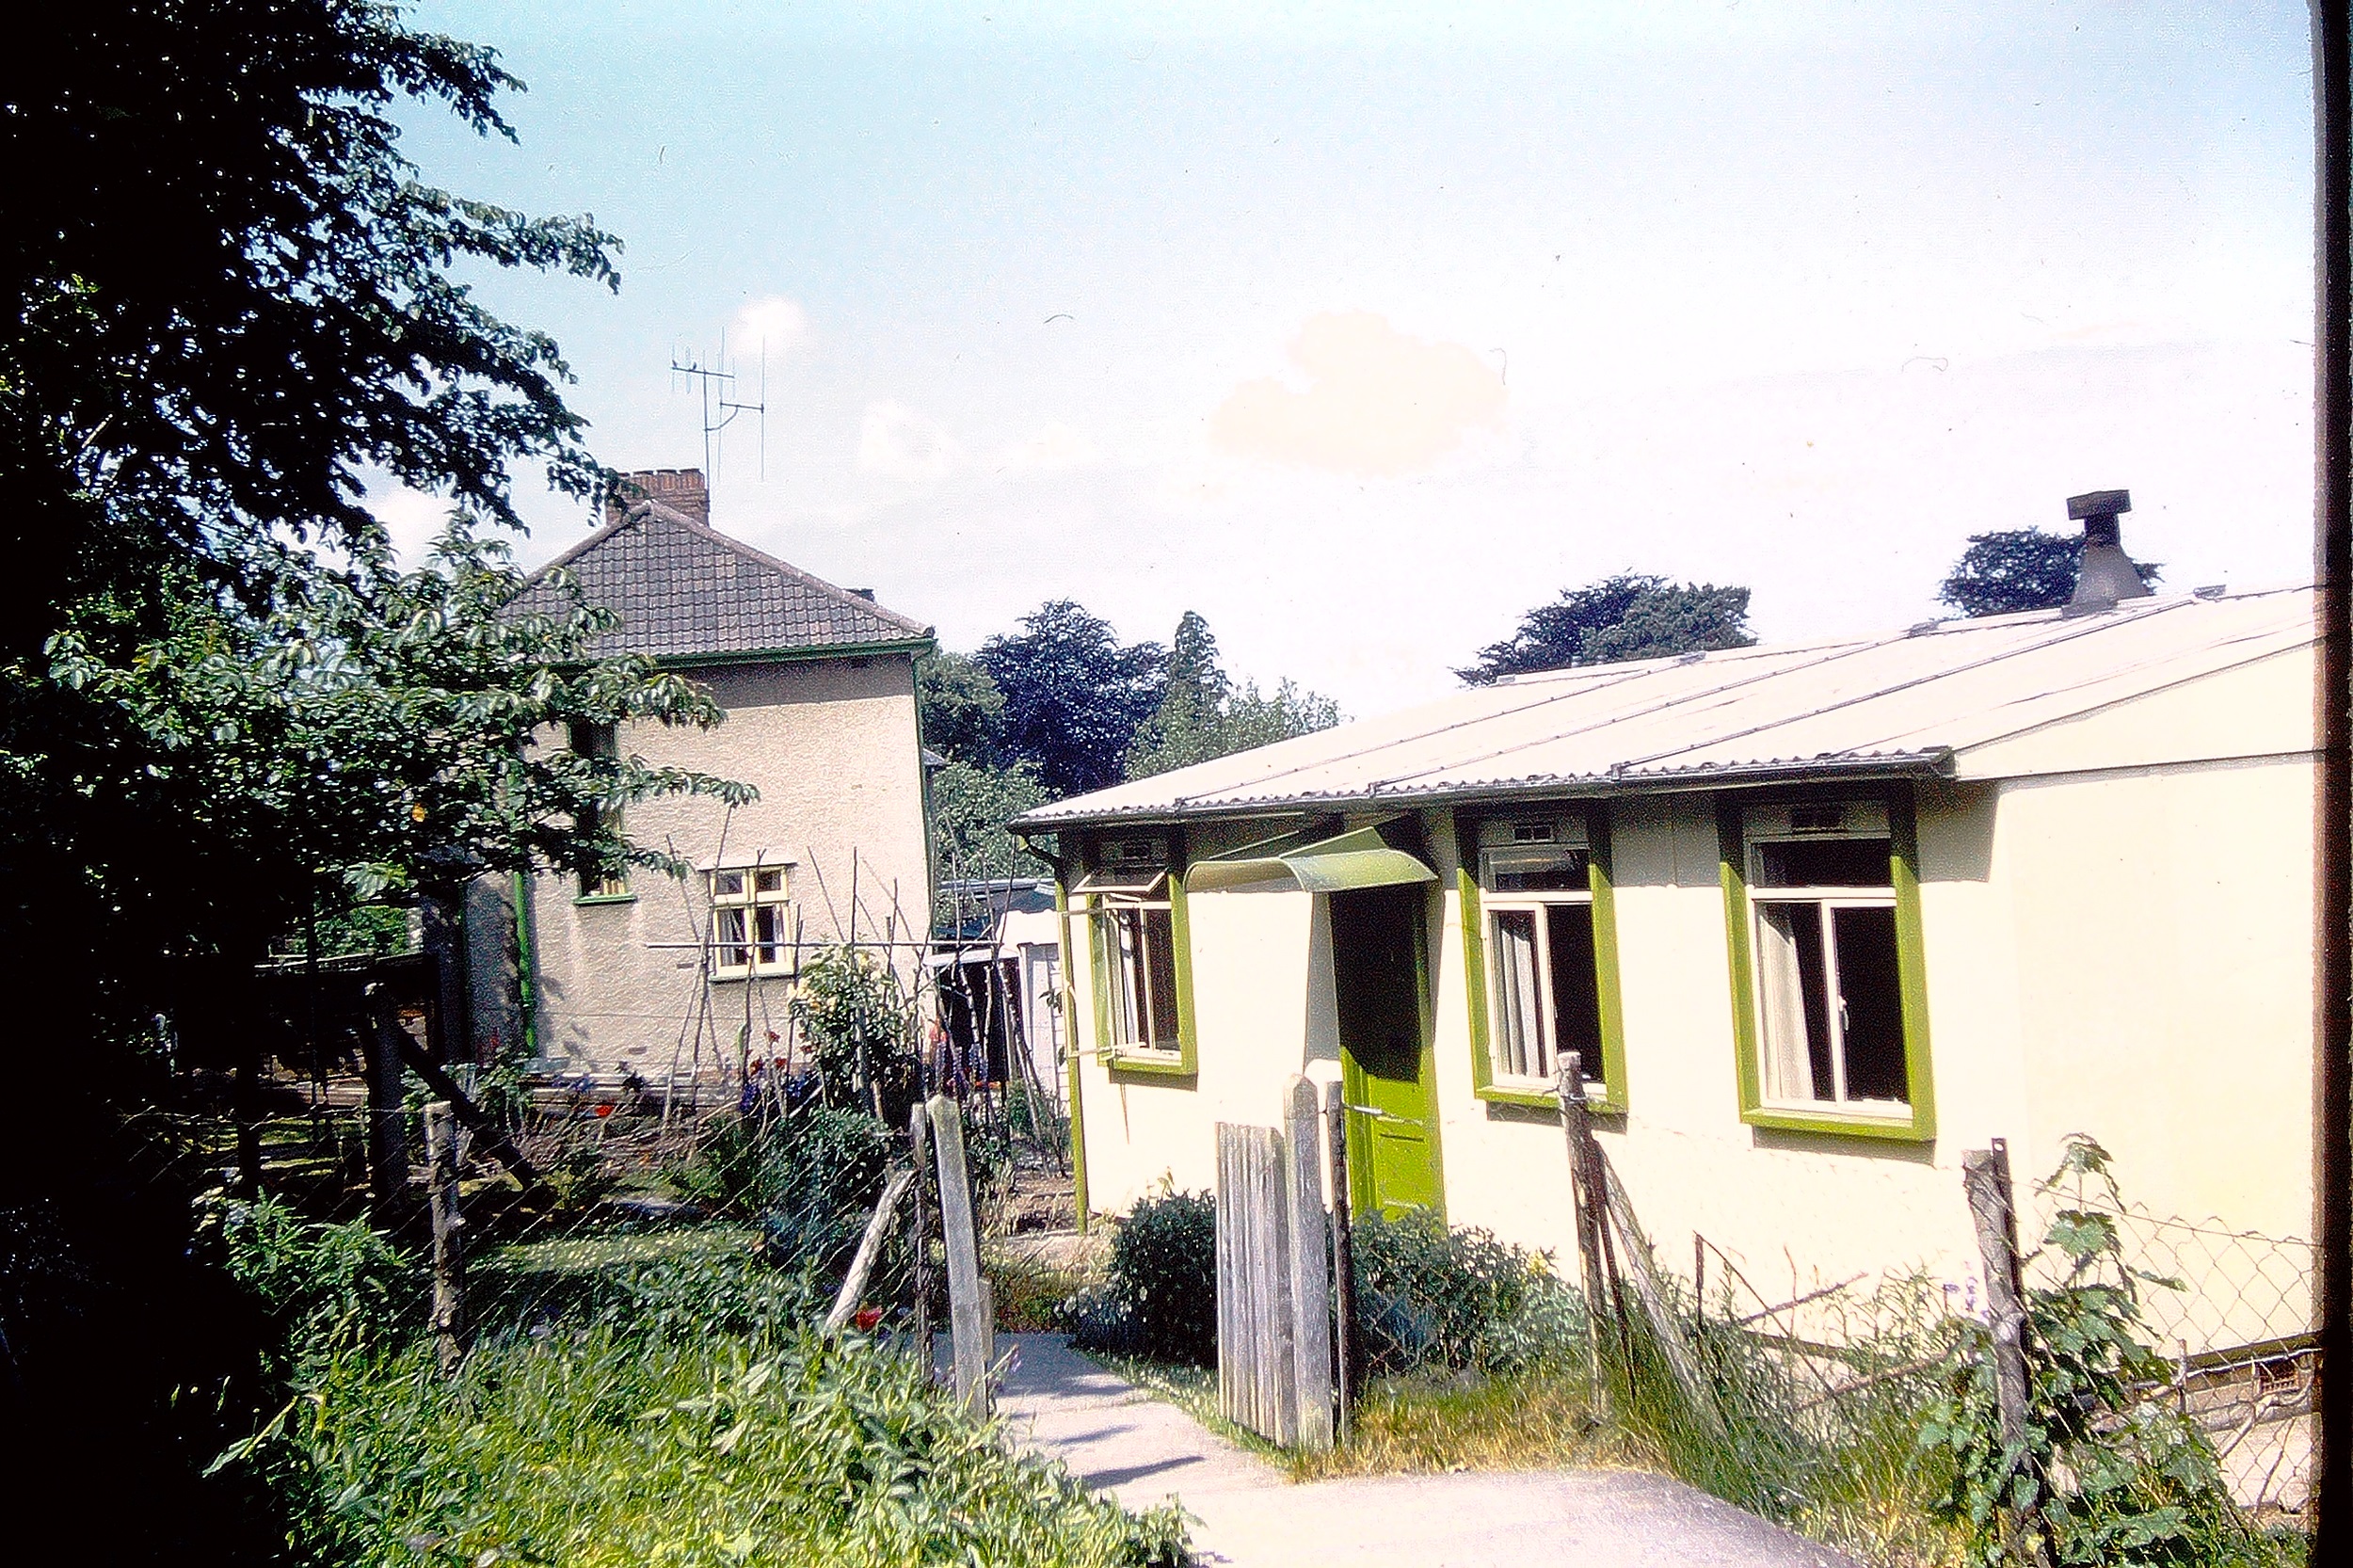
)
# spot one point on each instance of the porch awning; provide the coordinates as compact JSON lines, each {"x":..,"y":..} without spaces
{"x":1363,"y":858}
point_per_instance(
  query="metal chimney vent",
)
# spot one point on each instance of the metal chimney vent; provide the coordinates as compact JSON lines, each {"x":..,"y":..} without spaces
{"x":2106,"y":574}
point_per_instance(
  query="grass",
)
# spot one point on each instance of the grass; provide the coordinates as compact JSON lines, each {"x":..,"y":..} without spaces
{"x":589,"y":1252}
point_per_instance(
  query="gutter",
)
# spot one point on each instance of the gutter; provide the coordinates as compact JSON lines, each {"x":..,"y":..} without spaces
{"x":1936,"y":764}
{"x":797,"y":655}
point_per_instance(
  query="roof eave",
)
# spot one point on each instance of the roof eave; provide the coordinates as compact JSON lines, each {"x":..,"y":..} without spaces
{"x":797,"y":655}
{"x":1934,"y":764}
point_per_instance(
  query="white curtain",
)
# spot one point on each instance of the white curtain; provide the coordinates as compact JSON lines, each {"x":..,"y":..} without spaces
{"x":1781,"y":1001}
{"x":1518,"y":1044}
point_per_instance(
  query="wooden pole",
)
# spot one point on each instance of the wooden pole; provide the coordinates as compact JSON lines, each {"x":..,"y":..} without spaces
{"x":1343,"y":1262}
{"x":966,"y":1305}
{"x":449,"y":1253}
{"x":870,"y":1247}
{"x":494,"y":1141}
{"x":919,"y":1238}
{"x":1312,"y":1290}
{"x":1577,"y":1130}
{"x":1665,"y":1327}
{"x":388,"y":1144}
{"x":1985,"y":1179}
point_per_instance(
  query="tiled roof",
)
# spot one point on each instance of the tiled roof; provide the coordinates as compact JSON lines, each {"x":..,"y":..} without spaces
{"x":684,"y":590}
{"x":1937,"y":698}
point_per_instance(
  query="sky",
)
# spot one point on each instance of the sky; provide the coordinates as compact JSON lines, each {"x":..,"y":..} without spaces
{"x":1361,"y":329}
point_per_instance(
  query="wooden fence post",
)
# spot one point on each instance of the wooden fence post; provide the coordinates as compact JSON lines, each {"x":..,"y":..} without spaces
{"x":1665,"y":1327}
{"x":388,"y":1142}
{"x":1986,"y":1180}
{"x":1258,"y":1369}
{"x":1311,"y":1292}
{"x":1585,"y":1204}
{"x":449,"y":1253}
{"x":1343,"y":1259}
{"x":919,"y":1233}
{"x":870,"y":1246}
{"x":967,"y":1305}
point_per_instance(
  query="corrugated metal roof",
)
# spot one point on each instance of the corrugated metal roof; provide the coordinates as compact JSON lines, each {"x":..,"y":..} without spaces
{"x":685,"y":590}
{"x":1906,"y":702}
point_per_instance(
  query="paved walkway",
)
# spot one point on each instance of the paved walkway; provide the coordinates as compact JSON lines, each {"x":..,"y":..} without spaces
{"x":1143,"y":1451}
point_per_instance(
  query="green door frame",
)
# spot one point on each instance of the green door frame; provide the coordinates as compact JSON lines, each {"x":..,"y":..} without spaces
{"x":1362,"y":1196}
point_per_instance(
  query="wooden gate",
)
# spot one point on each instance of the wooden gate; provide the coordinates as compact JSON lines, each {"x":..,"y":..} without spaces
{"x":1273,"y":1289}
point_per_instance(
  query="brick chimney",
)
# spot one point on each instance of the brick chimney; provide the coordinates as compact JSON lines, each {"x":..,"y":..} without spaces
{"x":681,"y":489}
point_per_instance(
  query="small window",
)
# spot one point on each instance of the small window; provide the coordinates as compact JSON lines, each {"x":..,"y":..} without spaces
{"x":1830,"y":1026}
{"x":612,"y":882}
{"x":1543,"y":969}
{"x":751,"y":931}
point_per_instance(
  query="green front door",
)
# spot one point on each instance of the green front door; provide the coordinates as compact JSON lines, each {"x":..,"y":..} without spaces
{"x":1380,"y":991}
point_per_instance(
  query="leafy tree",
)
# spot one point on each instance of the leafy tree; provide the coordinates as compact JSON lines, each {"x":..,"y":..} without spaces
{"x":1074,"y":695}
{"x":1203,"y":715}
{"x":970,"y":808}
{"x":963,"y":712}
{"x":2019,"y":569}
{"x":1631,"y":615}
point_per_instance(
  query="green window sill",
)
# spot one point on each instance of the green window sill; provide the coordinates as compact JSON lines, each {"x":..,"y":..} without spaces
{"x":1158,"y":1065}
{"x":603,"y":898}
{"x":1545,"y":1099}
{"x":1915,"y":1128}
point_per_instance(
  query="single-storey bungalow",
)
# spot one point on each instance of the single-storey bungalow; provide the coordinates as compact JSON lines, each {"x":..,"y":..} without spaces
{"x":1817,"y":918}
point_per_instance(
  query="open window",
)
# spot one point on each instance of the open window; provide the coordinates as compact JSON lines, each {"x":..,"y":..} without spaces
{"x":1134,"y":903}
{"x":1540,"y":941}
{"x":1826,"y":967}
{"x":609,"y":884}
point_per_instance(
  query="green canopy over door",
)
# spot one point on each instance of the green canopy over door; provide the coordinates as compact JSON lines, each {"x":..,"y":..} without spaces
{"x":1344,"y":862}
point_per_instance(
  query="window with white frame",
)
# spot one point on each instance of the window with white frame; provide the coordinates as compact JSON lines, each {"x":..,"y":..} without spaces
{"x":1543,"y":989}
{"x":590,"y":739}
{"x":1828,"y":989}
{"x":1134,"y":926}
{"x":751,"y":928}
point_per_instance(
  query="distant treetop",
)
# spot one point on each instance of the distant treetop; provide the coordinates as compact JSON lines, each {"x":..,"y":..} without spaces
{"x":1631,"y":615}
{"x":2019,"y":569}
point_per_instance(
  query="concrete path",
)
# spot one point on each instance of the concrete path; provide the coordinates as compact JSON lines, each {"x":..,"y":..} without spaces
{"x":1143,"y":1451}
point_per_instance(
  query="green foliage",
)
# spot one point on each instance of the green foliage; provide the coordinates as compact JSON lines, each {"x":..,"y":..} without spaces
{"x":2019,"y":569}
{"x":961,"y":710}
{"x":1073,"y":695}
{"x":1631,"y":615}
{"x":1432,"y":1298}
{"x":322,"y":1290}
{"x":626,"y":1443}
{"x":860,"y":1024}
{"x":1160,"y":1298}
{"x":2109,"y":1473}
{"x":969,"y":807}
{"x":809,"y":1178}
{"x":1202,"y":714}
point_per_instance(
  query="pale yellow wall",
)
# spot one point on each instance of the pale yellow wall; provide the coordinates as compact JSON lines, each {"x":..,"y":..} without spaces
{"x":831,"y":747}
{"x":2123,"y":955}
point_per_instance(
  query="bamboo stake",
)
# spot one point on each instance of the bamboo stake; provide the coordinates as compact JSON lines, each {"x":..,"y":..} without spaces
{"x":869,"y":1248}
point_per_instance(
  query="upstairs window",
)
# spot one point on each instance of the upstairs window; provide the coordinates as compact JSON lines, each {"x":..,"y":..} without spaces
{"x":1830,"y":1026}
{"x":598,"y":885}
{"x":751,"y":931}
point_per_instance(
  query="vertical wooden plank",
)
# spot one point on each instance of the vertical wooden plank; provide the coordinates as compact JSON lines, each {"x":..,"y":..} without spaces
{"x":1310,"y":1286}
{"x":1278,"y":1384}
{"x":966,"y":1304}
{"x":920,"y":1238}
{"x":1986,"y":1181}
{"x":1229,"y":1339}
{"x":1343,"y":1257}
{"x":449,"y":1256}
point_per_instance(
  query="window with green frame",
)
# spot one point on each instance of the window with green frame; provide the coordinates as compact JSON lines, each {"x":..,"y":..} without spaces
{"x":1540,"y":958}
{"x":1822,"y":906}
{"x":1136,"y":931}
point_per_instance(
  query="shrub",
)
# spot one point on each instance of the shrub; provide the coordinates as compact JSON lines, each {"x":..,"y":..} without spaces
{"x":810,"y":1178}
{"x":1160,"y":1299}
{"x":320,"y":1289}
{"x":1431,"y":1298}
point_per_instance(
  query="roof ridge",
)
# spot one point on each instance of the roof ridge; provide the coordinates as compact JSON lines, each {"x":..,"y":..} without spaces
{"x":760,"y":557}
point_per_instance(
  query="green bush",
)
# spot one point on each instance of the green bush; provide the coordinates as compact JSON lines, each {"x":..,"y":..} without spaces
{"x":1161,"y":1299}
{"x":321,"y":1290}
{"x":809,"y":1178}
{"x":1429,"y":1297}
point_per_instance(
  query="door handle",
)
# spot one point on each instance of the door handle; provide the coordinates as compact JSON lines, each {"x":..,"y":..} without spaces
{"x":1380,"y":1116}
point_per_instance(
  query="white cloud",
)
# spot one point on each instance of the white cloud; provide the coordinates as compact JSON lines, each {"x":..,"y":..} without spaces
{"x":1377,"y":402}
{"x":776,"y":322}
{"x":1053,"y":448}
{"x":896,"y":443}
{"x":412,"y":519}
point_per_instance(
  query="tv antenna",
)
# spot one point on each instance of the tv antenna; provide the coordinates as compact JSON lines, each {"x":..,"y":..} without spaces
{"x":716,"y":382}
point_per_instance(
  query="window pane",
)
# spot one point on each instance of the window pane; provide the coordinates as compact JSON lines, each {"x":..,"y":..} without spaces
{"x":1793,"y":1002}
{"x":726,"y":885}
{"x":1160,"y":960}
{"x":1553,"y":872}
{"x":1824,"y":863}
{"x":728,"y":929}
{"x":1871,"y":1007}
{"x":768,"y":921}
{"x":1518,"y":1044}
{"x":770,"y":882}
{"x":1575,"y":985}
